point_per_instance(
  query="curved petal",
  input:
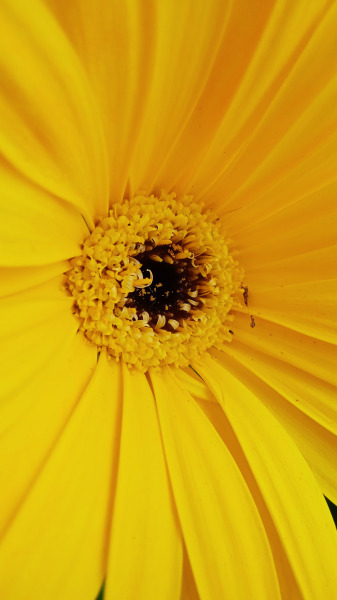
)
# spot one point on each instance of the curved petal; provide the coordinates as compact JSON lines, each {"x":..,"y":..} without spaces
{"x":36,"y":228}
{"x":55,"y":543}
{"x":20,"y":279}
{"x":308,"y":355}
{"x":283,"y":113}
{"x":157,"y":55}
{"x":290,"y":491}
{"x":242,"y":27}
{"x":50,"y":131}
{"x":222,"y":529}
{"x":34,"y":325}
{"x":115,"y":43}
{"x":193,"y":384}
{"x":305,"y":404}
{"x":308,"y":308}
{"x":145,"y":551}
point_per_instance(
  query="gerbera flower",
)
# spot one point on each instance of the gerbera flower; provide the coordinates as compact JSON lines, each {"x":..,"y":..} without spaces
{"x":168,"y":246}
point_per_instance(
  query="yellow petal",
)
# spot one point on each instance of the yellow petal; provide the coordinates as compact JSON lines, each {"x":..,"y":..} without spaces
{"x":304,"y":403}
{"x":302,"y":352}
{"x":33,"y":326}
{"x":289,"y":489}
{"x":308,"y":308}
{"x":188,"y":587}
{"x":242,"y":27}
{"x":192,"y":383}
{"x":36,"y":228}
{"x":115,"y":43}
{"x":282,"y":114}
{"x":293,"y":223}
{"x":185,"y":41}
{"x":55,"y":543}
{"x":222,"y":529}
{"x":19,"y":279}
{"x":50,"y":129}
{"x":145,"y":552}
{"x":148,"y":65}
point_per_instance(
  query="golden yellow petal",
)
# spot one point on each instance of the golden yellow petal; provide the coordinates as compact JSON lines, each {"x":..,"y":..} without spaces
{"x":34,"y":325}
{"x":188,"y":587}
{"x":193,"y":384}
{"x":148,"y":64}
{"x":242,"y":23}
{"x":304,"y":402}
{"x":19,"y":279}
{"x":50,"y":129}
{"x":145,"y":550}
{"x":54,"y":545}
{"x":280,"y":122}
{"x":36,"y":228}
{"x":289,"y":489}
{"x":309,"y":308}
{"x":308,"y":355}
{"x":222,"y":529}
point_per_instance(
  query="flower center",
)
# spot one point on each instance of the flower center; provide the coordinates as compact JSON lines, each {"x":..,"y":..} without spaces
{"x":155,"y":282}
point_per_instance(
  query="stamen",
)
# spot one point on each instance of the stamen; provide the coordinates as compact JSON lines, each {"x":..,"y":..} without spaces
{"x":155,"y":283}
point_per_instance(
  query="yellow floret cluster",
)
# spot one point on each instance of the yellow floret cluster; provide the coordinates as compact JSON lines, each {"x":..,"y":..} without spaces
{"x":107,"y":272}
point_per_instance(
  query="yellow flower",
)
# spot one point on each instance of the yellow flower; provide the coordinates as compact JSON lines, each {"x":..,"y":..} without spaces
{"x":172,"y":483}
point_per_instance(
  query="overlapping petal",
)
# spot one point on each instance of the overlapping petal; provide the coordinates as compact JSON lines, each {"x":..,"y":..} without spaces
{"x":64,"y":445}
{"x":150,"y":476}
{"x":289,"y":489}
{"x":222,"y":529}
{"x":50,"y":130}
{"x":145,"y":550}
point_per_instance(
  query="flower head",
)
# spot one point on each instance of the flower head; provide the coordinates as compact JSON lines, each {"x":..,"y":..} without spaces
{"x":168,"y":192}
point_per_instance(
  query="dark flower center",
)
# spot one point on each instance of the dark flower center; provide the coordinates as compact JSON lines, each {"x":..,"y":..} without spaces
{"x":169,"y":291}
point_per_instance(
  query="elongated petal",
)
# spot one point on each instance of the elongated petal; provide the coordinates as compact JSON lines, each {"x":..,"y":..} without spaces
{"x":305,"y":404}
{"x":291,"y":493}
{"x":280,"y":122}
{"x":36,"y":228}
{"x":145,"y":552}
{"x":33,"y":326}
{"x":192,"y":383}
{"x":54,"y":544}
{"x":50,"y":132}
{"x":304,"y":353}
{"x":19,"y":279}
{"x":148,"y":56}
{"x":222,"y":529}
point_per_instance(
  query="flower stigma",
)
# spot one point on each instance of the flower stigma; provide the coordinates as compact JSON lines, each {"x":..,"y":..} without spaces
{"x":155,"y":282}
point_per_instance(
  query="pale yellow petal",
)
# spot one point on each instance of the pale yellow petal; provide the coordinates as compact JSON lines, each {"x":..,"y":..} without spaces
{"x":290,"y":491}
{"x":222,"y":529}
{"x":50,"y":130}
{"x":145,"y":550}
{"x":55,"y":544}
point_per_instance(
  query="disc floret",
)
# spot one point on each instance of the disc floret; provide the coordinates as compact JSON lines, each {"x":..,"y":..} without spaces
{"x":155,"y":282}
